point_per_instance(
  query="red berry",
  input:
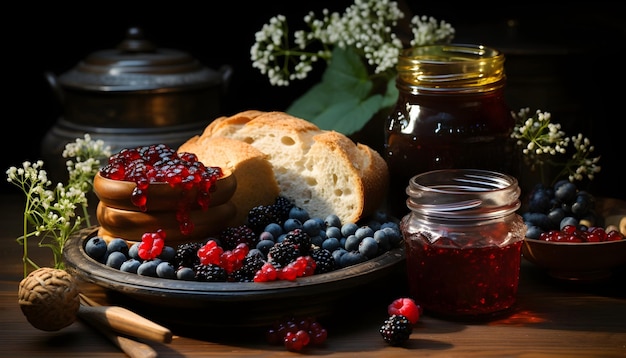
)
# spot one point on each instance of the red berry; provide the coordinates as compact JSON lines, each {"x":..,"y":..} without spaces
{"x":405,"y":307}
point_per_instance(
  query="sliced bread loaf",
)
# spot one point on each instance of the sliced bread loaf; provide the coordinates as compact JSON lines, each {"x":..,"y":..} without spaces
{"x":322,"y":171}
{"x":256,"y":184}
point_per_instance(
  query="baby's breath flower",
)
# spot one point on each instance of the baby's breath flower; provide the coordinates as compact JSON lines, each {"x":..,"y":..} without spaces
{"x":543,"y":143}
{"x":367,"y":26}
{"x":51,"y":212}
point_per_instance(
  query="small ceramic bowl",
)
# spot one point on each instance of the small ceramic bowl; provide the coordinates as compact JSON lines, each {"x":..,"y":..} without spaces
{"x":119,"y":217}
{"x":587,"y":261}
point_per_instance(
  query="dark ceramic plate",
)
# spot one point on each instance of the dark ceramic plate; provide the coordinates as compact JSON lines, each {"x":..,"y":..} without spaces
{"x":221,"y":304}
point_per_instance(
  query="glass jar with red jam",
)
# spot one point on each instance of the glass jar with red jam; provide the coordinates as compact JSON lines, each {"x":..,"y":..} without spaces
{"x":450,"y":113}
{"x":463,"y":242}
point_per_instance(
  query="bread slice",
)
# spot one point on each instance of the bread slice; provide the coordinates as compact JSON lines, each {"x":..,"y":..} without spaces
{"x":256,"y":184}
{"x":322,"y":171}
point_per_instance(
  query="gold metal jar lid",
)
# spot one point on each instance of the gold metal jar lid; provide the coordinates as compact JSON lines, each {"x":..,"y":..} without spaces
{"x":450,"y":68}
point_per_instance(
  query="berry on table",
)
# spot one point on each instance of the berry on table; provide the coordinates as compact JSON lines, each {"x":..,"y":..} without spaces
{"x":396,"y":330}
{"x":406,"y":307}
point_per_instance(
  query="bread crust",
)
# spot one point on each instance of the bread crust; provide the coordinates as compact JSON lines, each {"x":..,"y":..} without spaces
{"x":322,"y":171}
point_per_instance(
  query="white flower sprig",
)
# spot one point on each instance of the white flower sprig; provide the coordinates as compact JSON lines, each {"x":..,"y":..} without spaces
{"x":544,"y":143}
{"x":366,"y":26}
{"x":50,"y":214}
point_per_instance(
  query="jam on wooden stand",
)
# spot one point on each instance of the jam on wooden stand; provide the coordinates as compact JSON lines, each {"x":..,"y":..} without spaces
{"x":463,"y":242}
{"x":450,"y":113}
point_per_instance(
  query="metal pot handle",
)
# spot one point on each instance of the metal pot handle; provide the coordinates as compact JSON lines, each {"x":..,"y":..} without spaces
{"x":52,"y":80}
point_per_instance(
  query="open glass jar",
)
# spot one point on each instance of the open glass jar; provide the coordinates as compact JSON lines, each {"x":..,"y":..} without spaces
{"x":463,"y":241}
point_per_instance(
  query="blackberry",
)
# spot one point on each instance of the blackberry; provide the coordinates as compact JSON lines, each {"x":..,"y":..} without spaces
{"x":233,"y":236}
{"x":251,"y":264}
{"x":282,"y":206}
{"x":210,"y":273}
{"x":396,"y":330}
{"x":187,"y":254}
{"x":262,"y":215}
{"x":282,"y":253}
{"x":300,"y":238}
{"x":324,"y":261}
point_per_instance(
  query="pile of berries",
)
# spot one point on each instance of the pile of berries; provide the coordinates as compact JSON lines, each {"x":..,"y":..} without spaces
{"x":278,"y":242}
{"x":403,"y":314}
{"x":564,"y":213}
{"x":296,"y":334}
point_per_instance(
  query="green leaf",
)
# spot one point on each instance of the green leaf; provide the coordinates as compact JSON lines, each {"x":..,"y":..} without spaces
{"x":343,"y":100}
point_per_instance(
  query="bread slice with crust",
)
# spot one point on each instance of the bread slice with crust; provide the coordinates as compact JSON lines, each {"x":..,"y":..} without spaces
{"x":322,"y":171}
{"x":256,"y":184}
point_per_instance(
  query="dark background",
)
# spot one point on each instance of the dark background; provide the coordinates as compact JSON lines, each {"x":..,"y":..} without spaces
{"x":563,"y":59}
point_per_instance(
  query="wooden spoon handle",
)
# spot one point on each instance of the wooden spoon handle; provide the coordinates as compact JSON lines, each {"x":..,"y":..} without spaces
{"x":133,"y":349}
{"x":125,"y":321}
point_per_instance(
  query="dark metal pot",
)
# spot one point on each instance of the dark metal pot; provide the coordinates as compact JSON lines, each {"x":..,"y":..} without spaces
{"x":136,"y":94}
{"x":139,"y":85}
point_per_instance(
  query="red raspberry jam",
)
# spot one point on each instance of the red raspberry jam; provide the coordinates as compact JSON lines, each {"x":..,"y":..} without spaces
{"x":157,"y":164}
{"x":452,"y":280}
{"x":463,"y":242}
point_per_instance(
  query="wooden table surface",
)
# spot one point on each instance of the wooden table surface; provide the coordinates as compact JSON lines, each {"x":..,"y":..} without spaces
{"x":550,"y":319}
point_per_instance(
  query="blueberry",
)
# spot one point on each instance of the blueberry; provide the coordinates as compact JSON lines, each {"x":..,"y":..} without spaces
{"x":337,"y":254}
{"x":298,"y":213}
{"x":564,"y":191}
{"x":148,"y":268}
{"x":555,"y":216}
{"x":131,"y":265}
{"x":352,"y":258}
{"x":117,"y":244}
{"x":380,"y":216}
{"x":167,"y":253}
{"x":334,"y":232}
{"x":266,"y":235}
{"x":312,"y":227}
{"x":348,"y":229}
{"x":133,"y":251}
{"x":352,"y":243}
{"x":568,"y":220}
{"x":115,"y":259}
{"x":368,"y":247}
{"x":583,"y":203}
{"x":275,"y":229}
{"x":186,"y":274}
{"x":540,"y":199}
{"x":537,"y":219}
{"x":332,"y":220}
{"x":331,"y":244}
{"x":393,"y":234}
{"x":533,"y":232}
{"x":264,"y":246}
{"x":364,"y":231}
{"x":317,"y":240}
{"x":292,"y":224}
{"x":165,"y":270}
{"x":96,"y":248}
{"x":382,"y":240}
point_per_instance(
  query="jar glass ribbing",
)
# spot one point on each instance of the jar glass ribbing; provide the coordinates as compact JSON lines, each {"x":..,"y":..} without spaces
{"x":450,"y":113}
{"x":463,"y":241}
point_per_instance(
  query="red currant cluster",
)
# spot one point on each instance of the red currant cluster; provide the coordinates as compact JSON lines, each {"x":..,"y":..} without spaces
{"x":296,"y":334}
{"x":300,"y":267}
{"x":570,"y":233}
{"x":229,"y":260}
{"x":151,"y":245}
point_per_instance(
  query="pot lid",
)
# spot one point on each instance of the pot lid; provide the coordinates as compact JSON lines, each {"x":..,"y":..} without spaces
{"x":138,"y":65}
